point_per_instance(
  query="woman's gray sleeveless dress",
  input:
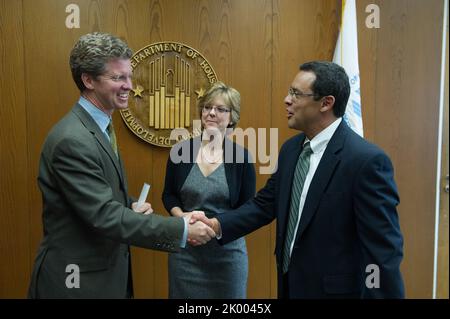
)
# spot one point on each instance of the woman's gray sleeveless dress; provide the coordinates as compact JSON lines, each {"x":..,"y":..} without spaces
{"x":211,"y":270}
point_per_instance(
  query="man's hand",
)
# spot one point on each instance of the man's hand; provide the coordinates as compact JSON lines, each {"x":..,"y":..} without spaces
{"x":213,"y":222}
{"x":199,"y":216}
{"x":145,"y":208}
{"x":198,"y":232}
{"x":194,"y":212}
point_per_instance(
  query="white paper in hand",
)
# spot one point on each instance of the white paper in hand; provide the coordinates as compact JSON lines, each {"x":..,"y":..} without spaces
{"x":144,"y":193}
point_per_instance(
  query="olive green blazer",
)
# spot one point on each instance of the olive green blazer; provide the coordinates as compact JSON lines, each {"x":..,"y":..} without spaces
{"x":87,"y":221}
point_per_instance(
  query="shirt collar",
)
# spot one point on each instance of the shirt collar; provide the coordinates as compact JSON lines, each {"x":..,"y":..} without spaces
{"x":320,"y":141}
{"x":98,"y":116}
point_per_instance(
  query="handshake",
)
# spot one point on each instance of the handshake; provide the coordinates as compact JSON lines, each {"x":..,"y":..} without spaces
{"x":200,"y":228}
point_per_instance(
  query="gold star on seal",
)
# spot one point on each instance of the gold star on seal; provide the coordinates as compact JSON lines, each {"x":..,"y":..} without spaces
{"x":200,"y":93}
{"x":138,"y":91}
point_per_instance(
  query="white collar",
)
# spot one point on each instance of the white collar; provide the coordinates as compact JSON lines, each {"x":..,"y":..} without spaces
{"x":320,"y":141}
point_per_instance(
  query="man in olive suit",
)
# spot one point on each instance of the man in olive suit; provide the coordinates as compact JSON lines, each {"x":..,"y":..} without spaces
{"x":87,"y":220}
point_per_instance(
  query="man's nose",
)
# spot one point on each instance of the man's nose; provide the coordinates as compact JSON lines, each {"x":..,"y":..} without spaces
{"x":288,"y":100}
{"x":128,"y":85}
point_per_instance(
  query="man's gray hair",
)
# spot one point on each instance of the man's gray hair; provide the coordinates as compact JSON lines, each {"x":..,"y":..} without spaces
{"x":91,"y":53}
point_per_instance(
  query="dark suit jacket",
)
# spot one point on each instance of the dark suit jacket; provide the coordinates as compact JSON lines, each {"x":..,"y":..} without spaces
{"x":85,"y":216}
{"x":349,"y":221}
{"x":239,"y":172}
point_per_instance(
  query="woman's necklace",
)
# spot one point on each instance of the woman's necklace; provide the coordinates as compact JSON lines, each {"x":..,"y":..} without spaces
{"x":210,"y":155}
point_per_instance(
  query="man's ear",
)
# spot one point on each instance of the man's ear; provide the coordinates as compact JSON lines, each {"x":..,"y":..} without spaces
{"x":87,"y":80}
{"x":327,"y":103}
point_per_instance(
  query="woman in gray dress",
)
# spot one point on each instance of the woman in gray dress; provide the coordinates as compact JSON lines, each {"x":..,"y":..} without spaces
{"x":214,"y":175}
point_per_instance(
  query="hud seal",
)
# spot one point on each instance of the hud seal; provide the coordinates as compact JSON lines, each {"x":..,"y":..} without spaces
{"x":168,"y":78}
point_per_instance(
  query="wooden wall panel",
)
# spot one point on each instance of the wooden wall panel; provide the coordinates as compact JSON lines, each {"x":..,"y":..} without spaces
{"x":303,"y":31}
{"x":367,"y":44}
{"x":400,"y":67}
{"x":406,"y":117}
{"x":50,"y":91}
{"x":14,"y":226}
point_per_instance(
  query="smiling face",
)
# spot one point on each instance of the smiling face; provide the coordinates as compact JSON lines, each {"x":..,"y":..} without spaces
{"x":110,"y":90}
{"x":212,"y":117}
{"x":303,"y":111}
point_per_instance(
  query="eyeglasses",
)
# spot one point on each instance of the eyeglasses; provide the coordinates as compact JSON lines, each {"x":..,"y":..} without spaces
{"x":118,"y":78}
{"x":218,"y":109}
{"x":297,"y":94}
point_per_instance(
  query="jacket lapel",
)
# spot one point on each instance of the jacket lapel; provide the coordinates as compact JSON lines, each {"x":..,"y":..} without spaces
{"x":123,"y":177}
{"x":90,"y":124}
{"x":322,"y":176}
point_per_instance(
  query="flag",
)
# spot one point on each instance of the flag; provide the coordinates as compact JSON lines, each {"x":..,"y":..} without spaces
{"x":346,"y":55}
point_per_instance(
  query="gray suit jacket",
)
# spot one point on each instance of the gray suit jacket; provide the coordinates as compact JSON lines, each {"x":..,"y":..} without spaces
{"x":86,"y":219}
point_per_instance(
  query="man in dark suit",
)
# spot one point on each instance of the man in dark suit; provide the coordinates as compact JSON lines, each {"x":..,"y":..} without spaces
{"x":87,"y":220}
{"x":334,"y":198}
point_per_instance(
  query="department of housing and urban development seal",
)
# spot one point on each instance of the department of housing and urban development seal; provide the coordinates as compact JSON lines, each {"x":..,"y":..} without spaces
{"x":168,"y":78}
